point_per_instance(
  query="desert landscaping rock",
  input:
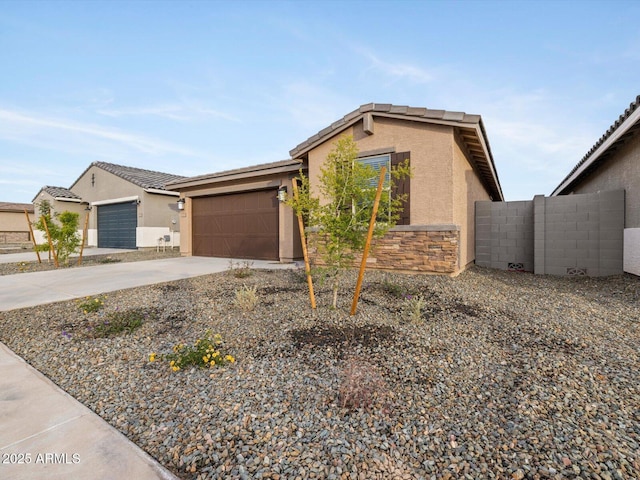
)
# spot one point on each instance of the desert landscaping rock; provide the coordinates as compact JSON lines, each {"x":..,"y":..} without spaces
{"x":507,"y":375}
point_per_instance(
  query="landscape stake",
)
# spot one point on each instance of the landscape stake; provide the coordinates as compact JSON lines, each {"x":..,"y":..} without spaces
{"x":307,"y":268}
{"x":367,"y":245}
{"x":51,"y":249}
{"x":33,"y":238}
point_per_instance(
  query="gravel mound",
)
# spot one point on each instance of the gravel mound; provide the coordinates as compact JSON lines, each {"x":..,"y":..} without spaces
{"x":505,"y":375}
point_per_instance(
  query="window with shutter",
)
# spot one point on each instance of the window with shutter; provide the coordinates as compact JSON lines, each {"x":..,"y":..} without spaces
{"x":401,"y":186}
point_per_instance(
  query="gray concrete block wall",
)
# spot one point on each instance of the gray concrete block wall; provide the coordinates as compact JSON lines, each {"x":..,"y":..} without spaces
{"x":563,"y":235}
{"x":579,"y":234}
{"x":504,"y":234}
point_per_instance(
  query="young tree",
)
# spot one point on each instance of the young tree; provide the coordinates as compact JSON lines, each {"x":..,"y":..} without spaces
{"x":64,"y":233}
{"x":343,"y":209}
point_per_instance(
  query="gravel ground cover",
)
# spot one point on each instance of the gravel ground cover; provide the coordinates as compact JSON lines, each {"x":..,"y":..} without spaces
{"x":140,"y":255}
{"x":502,"y":375}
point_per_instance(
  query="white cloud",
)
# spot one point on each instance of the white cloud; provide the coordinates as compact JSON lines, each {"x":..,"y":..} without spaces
{"x":395,"y":70}
{"x":62,"y":134}
{"x":179,"y":112}
{"x":311,"y":106}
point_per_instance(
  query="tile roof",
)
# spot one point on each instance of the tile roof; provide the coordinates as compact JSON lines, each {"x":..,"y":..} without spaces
{"x":599,"y":152}
{"x":250,"y":171}
{"x":470,"y":127}
{"x":16,"y":207}
{"x":138,"y":176}
{"x":59,"y":192}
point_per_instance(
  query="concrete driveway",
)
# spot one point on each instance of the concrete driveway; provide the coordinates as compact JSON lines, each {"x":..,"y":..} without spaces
{"x":37,"y":288}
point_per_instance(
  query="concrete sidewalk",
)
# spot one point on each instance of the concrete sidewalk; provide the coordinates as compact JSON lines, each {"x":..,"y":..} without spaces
{"x":44,"y":432}
{"x":47,"y":434}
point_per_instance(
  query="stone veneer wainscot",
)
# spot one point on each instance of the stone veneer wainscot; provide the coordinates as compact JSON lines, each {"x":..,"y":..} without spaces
{"x":418,"y":248}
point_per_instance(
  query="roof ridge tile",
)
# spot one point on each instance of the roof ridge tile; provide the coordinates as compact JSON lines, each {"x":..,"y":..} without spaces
{"x":633,"y":106}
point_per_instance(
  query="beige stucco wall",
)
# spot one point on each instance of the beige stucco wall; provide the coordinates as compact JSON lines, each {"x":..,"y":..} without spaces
{"x":289,"y":237}
{"x":158,"y":210}
{"x":467,"y":189}
{"x":621,"y":171}
{"x":431,"y":148}
{"x":14,"y":221}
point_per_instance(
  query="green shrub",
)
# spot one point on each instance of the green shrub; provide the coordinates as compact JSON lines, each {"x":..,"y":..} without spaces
{"x":120,"y":322}
{"x":246,"y":298}
{"x":393,"y":289}
{"x":412,"y":308}
{"x":91,"y":304}
{"x":63,"y":233}
{"x":205,"y":352}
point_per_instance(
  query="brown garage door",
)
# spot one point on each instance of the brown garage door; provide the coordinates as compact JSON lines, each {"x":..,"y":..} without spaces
{"x":238,"y":225}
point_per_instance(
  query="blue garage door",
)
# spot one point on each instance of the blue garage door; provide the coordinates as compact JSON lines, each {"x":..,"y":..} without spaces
{"x":117,"y":225}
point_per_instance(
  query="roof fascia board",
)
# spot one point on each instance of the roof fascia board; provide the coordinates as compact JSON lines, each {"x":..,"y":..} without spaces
{"x":480,"y":133}
{"x":353,"y":121}
{"x":161,"y":192}
{"x":245,"y":187}
{"x":234,"y":176}
{"x":332,"y":134}
{"x":411,"y":118}
{"x":115,"y":200}
{"x":66,"y":199}
{"x":602,"y":149}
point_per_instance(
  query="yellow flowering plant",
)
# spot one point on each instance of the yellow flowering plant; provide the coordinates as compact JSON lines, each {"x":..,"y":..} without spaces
{"x":207,"y":352}
{"x":90,"y":304}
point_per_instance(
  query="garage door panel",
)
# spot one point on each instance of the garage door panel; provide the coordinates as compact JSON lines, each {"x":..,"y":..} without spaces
{"x":240,"y":225}
{"x":117,"y":225}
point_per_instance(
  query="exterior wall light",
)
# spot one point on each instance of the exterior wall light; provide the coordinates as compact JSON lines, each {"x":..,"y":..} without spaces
{"x":282,"y":193}
{"x":181,"y":202}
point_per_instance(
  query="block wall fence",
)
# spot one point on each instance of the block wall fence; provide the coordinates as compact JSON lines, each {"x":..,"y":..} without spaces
{"x":564,"y":235}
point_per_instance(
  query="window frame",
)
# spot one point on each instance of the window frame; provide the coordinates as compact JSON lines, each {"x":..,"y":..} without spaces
{"x":374,"y":180}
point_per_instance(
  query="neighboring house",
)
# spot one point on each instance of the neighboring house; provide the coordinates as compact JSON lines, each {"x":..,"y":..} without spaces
{"x":60,"y":199}
{"x":613,"y":163}
{"x":13,"y":222}
{"x":127,"y":207}
{"x":452,"y":168}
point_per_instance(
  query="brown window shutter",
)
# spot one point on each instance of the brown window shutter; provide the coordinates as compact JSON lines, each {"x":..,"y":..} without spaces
{"x":402,"y":187}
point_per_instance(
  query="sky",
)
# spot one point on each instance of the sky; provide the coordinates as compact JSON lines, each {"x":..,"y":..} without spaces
{"x":195,"y":87}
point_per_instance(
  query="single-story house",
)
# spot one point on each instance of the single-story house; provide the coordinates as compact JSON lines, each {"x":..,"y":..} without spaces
{"x":613,"y":163}
{"x":127,"y":207}
{"x":13,"y":222}
{"x":237,"y":213}
{"x":452,"y":167}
